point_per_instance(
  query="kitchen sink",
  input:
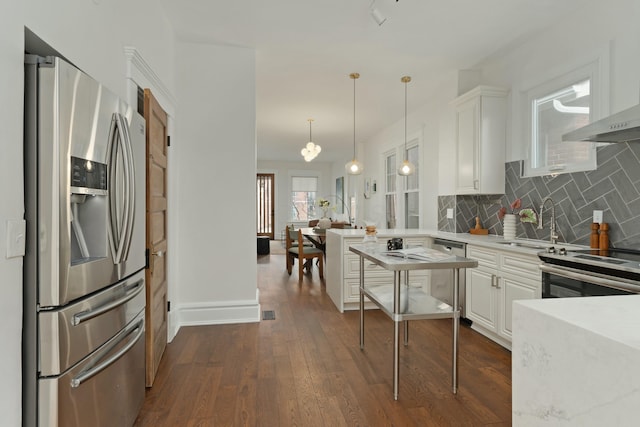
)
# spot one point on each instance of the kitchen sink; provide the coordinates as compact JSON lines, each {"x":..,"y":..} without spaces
{"x":530,"y":245}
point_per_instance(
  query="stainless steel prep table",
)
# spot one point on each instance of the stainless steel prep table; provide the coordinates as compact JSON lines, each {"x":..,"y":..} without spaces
{"x":404,"y":303}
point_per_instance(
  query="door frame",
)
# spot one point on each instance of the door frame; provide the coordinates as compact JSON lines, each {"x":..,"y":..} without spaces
{"x":261,"y":207}
{"x":139,"y":73}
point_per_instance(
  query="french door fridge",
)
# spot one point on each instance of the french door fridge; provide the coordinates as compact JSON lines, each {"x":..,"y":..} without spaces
{"x":84,"y":289}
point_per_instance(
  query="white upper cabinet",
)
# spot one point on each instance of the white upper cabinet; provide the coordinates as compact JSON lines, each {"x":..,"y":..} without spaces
{"x":480,"y":129}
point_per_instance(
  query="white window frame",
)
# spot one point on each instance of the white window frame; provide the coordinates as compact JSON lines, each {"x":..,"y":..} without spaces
{"x":401,"y":191}
{"x":414,"y":143}
{"x":593,"y":71}
{"x":393,"y":192}
{"x":294,"y":175}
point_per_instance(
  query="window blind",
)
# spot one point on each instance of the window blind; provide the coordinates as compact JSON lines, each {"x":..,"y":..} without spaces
{"x":304,"y":183}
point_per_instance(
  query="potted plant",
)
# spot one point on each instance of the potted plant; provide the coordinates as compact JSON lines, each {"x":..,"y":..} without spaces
{"x":509,"y":218}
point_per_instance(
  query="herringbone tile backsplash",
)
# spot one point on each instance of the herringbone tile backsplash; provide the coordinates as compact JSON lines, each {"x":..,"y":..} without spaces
{"x":614,"y":187}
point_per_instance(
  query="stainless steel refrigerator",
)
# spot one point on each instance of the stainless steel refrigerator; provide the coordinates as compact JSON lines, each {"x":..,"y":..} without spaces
{"x":84,"y":289}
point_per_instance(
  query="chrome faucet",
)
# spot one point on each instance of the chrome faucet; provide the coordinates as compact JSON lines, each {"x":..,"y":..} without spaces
{"x":553,"y":237}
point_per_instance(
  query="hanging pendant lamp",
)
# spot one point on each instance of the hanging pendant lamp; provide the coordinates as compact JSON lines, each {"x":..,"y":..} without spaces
{"x":354,"y":167}
{"x":406,"y":168}
{"x":311,"y":150}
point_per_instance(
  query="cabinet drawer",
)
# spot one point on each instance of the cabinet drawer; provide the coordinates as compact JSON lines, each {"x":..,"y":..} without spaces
{"x":412,"y":242}
{"x":348,"y":242}
{"x":521,"y":265}
{"x":484,"y":256}
{"x":352,"y":268}
{"x":352,"y":286}
{"x":352,"y":290}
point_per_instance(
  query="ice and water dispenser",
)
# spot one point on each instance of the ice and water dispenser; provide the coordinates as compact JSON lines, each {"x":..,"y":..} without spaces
{"x":89,"y":210}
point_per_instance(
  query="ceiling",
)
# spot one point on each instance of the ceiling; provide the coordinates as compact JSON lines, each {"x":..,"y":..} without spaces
{"x":305,"y":51}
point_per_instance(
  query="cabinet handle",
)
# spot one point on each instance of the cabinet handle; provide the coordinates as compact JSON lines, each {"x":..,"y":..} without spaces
{"x":495,"y":281}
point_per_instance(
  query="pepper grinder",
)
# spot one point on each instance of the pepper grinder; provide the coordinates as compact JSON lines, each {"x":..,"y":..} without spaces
{"x":595,"y":238}
{"x":604,"y":236}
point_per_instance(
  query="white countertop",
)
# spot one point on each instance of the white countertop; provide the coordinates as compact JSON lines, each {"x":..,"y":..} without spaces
{"x":433,"y":259}
{"x":615,"y":317}
{"x":490,"y":240}
{"x":575,"y":361}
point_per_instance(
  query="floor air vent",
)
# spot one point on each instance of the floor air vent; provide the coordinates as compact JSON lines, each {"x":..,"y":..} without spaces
{"x":268,"y":315}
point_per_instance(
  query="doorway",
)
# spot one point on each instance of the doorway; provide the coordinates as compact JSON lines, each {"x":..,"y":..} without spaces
{"x":265,"y":199}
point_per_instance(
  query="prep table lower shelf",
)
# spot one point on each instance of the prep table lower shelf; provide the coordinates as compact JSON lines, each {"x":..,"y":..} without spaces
{"x":415,"y":304}
{"x":402,"y":302}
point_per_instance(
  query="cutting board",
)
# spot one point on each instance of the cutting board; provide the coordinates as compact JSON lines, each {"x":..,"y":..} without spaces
{"x":479,"y":231}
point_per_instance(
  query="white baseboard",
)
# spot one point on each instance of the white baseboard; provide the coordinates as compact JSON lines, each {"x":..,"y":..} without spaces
{"x":172,"y":326}
{"x":214,"y":313}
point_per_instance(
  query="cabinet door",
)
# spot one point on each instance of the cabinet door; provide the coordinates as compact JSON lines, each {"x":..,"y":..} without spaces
{"x":467,"y":133}
{"x":481,"y":304}
{"x":513,"y":288}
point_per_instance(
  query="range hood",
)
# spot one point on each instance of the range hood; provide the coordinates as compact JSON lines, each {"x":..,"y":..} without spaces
{"x":620,"y":127}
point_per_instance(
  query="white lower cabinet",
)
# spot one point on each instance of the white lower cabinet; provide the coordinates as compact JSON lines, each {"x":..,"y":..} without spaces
{"x":500,"y":278}
{"x":343,"y":267}
{"x":482,"y":301}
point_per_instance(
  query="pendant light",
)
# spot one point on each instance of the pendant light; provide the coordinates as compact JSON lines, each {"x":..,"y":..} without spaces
{"x":407,"y":168}
{"x":354,"y":167}
{"x":311,"y":150}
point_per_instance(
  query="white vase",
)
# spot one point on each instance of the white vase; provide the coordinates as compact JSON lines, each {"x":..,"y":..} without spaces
{"x":509,"y":226}
{"x":324,"y":223}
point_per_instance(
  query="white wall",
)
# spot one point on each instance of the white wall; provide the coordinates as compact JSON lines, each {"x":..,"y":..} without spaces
{"x":283,"y":172}
{"x":606,"y":30}
{"x":92,"y":36}
{"x":430,"y":123}
{"x":215,"y":153}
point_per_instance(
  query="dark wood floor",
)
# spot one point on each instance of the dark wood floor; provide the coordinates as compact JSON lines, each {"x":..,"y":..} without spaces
{"x":305,"y":368}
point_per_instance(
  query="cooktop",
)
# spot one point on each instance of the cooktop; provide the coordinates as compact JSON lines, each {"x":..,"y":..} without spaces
{"x":614,"y":261}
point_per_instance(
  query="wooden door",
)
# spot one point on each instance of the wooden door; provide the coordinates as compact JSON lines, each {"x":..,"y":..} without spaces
{"x":265,"y":204}
{"x":156,"y":276}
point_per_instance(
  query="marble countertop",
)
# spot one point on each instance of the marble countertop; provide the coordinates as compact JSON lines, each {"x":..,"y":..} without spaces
{"x":575,"y":361}
{"x":526,"y":246}
{"x":614,"y":317}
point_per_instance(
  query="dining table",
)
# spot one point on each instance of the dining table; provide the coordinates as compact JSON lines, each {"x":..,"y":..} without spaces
{"x":315,"y":236}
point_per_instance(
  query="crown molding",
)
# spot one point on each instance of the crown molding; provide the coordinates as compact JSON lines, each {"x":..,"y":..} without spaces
{"x":141,"y":73}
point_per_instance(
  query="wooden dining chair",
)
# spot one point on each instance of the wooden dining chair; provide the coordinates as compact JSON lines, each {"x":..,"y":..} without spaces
{"x":297,"y":249}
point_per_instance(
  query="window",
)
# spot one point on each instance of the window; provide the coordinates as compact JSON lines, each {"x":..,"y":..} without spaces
{"x":303,"y":197}
{"x":412,"y":191}
{"x":405,"y":190}
{"x":558,"y":107}
{"x":390,"y":189}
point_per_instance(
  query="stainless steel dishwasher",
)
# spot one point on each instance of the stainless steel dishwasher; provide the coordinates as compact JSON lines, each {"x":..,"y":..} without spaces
{"x":442,"y":280}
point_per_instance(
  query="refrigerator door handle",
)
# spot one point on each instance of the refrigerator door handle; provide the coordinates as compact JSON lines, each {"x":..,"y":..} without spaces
{"x":112,"y":148}
{"x":96,"y":369}
{"x":130,"y":292}
{"x":130,"y":184}
{"x":118,"y":219}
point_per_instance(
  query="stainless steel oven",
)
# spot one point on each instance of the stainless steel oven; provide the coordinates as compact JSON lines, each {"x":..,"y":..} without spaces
{"x":583,"y":273}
